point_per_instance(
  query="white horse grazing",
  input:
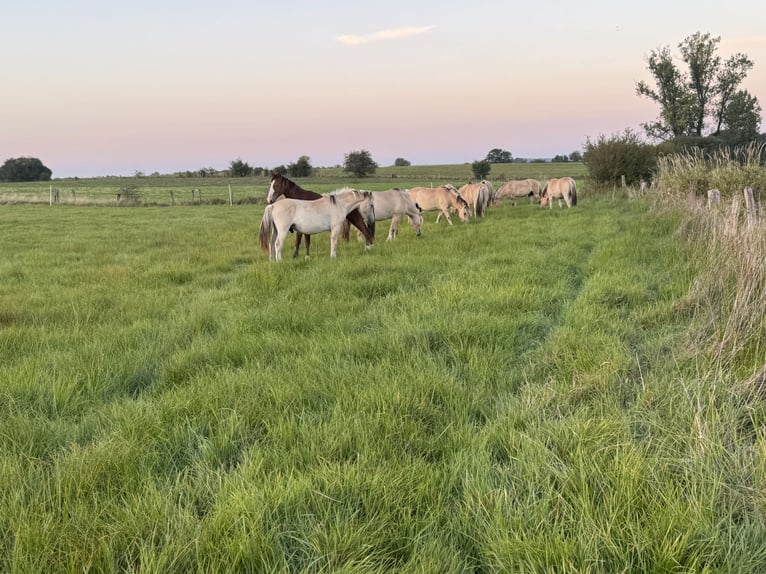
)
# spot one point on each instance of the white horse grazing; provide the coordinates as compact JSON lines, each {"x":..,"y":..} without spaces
{"x":309,"y":217}
{"x":393,"y":204}
{"x":442,"y":198}
{"x":478,"y":195}
{"x":518,"y":188}
{"x":561,"y":188}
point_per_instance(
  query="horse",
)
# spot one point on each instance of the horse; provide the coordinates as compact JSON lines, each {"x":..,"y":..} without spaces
{"x":442,"y":199}
{"x":280,"y":185}
{"x":310,"y":217}
{"x":518,"y":188}
{"x":561,"y":188}
{"x":478,"y":196}
{"x":393,"y":204}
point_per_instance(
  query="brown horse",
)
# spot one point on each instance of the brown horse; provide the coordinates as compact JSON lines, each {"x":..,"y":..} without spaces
{"x":561,"y":188}
{"x":280,"y":185}
{"x":443,"y":199}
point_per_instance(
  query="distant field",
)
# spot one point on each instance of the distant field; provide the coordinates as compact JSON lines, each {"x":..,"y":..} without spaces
{"x":169,"y":190}
{"x":511,"y":395}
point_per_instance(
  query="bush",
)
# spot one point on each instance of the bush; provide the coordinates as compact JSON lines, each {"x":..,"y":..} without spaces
{"x":608,"y":159}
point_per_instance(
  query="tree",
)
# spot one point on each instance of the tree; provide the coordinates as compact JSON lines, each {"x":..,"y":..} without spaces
{"x":301,"y":168}
{"x":24,"y":169}
{"x":575,"y":156}
{"x":238,"y":168}
{"x":742,"y":116}
{"x":401,"y":162}
{"x":497,"y":155}
{"x":481,"y":168}
{"x":703,"y":97}
{"x":560,"y":159}
{"x":359,"y":163}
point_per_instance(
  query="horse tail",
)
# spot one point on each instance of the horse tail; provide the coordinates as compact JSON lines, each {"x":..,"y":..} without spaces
{"x":573,"y":189}
{"x":264,"y":233}
{"x":344,"y":229}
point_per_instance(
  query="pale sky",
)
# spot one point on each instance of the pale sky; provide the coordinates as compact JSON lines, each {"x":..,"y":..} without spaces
{"x":110,"y":88}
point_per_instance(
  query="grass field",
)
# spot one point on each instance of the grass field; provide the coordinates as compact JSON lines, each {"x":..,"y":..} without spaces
{"x":512,"y":395}
{"x":171,"y":190}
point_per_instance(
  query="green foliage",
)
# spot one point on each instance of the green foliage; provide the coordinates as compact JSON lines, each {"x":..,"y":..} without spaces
{"x":481,"y":168}
{"x":24,"y":169}
{"x":609,"y":158}
{"x":401,"y":162}
{"x":359,"y":163}
{"x":301,"y":168}
{"x":239,"y":168}
{"x":498,"y":155}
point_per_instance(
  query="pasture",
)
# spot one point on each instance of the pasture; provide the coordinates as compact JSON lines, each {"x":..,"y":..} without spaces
{"x":513,"y":394}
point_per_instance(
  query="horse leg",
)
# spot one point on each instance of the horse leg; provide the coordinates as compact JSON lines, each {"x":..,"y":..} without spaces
{"x":298,"y":236}
{"x":334,"y":232}
{"x":275,"y":253}
{"x":308,"y":244}
{"x":393,"y":228}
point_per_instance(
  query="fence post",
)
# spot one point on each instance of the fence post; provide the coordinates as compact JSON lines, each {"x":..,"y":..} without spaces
{"x":231,"y":198}
{"x":622,"y":179}
{"x":172,"y":198}
{"x":51,"y":195}
{"x":752,"y":215}
{"x":713,"y":197}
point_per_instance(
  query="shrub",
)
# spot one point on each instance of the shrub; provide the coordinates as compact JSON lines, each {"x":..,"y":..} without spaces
{"x":608,"y":159}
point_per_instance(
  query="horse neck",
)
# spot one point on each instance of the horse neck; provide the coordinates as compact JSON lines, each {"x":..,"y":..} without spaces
{"x":295,"y":191}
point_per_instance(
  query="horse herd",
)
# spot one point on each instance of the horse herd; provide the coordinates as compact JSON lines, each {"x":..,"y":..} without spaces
{"x":307,"y":212}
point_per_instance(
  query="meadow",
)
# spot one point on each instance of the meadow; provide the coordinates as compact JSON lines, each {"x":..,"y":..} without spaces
{"x":523,"y":393}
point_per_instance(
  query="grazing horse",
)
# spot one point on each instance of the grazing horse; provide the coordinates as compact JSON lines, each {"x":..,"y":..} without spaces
{"x":518,"y":188}
{"x":309,"y":217}
{"x":561,"y":188}
{"x":393,"y":204}
{"x":477,"y":195}
{"x":442,"y":199}
{"x":280,"y":185}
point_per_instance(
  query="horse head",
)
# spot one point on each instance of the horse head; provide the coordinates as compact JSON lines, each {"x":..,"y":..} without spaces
{"x":276,"y":186}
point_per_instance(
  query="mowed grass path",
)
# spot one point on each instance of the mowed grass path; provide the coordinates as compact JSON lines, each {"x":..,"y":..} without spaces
{"x":497,"y":396}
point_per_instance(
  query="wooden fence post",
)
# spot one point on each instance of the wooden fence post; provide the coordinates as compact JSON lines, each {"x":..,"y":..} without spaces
{"x":622,"y":179}
{"x":752,"y":214}
{"x":713,"y":197}
{"x":172,"y":198}
{"x":51,"y":195}
{"x":231,"y":198}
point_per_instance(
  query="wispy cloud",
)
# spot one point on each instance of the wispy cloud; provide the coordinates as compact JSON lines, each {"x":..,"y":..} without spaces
{"x":391,"y":34}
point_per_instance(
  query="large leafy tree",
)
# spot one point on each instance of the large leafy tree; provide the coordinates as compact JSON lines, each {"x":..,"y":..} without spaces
{"x":497,"y":155}
{"x":239,"y":168}
{"x":704,"y":97}
{"x":359,"y":163}
{"x":24,"y":169}
{"x":301,"y":168}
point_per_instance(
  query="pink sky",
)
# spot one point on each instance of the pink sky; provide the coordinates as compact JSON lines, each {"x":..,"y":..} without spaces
{"x":96,"y":91}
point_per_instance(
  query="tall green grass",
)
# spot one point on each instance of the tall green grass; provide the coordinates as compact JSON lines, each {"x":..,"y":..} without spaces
{"x":509,"y":395}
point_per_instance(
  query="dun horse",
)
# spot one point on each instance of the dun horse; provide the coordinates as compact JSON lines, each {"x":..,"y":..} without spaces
{"x":561,"y":188}
{"x":518,"y":188}
{"x":393,"y":204}
{"x":478,"y":196}
{"x":442,"y":199}
{"x":309,"y":217}
{"x":280,"y":185}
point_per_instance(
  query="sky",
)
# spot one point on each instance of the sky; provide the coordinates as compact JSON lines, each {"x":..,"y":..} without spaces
{"x":97,"y":88}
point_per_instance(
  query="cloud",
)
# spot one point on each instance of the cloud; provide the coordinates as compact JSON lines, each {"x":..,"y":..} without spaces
{"x":391,"y":34}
